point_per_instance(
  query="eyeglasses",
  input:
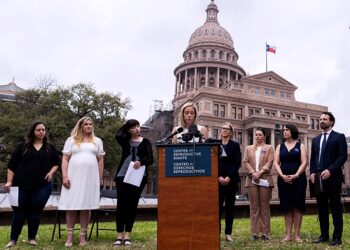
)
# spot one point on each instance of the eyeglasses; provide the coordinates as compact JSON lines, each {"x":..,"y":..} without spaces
{"x":226,"y":129}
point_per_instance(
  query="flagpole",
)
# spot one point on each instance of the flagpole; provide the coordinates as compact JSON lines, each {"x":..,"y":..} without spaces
{"x":266,"y":55}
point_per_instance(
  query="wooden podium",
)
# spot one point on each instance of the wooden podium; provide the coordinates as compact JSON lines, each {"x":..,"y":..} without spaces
{"x":188,"y":203}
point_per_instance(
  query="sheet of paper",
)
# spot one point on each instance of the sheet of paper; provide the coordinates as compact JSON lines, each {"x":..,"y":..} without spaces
{"x":14,"y":196}
{"x":261,"y":182}
{"x":134,"y":176}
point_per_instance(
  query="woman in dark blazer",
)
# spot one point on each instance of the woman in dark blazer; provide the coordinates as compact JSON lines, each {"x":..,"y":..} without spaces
{"x":229,"y":164}
{"x":136,"y":152}
{"x":257,"y":161}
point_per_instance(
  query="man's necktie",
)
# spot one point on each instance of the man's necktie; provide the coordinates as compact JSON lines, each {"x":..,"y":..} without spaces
{"x":324,"y":140}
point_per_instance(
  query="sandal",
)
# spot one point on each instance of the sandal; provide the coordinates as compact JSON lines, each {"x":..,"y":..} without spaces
{"x":82,"y":241}
{"x":118,"y":242}
{"x":10,"y":244}
{"x":32,"y":242}
{"x":298,"y":240}
{"x":70,"y":235}
{"x":286,"y":239}
{"x":127,"y":242}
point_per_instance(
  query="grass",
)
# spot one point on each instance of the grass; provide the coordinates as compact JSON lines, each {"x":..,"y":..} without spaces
{"x":145,"y":236}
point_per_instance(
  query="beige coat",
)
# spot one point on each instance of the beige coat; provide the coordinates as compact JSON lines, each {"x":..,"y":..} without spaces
{"x":265,"y":162}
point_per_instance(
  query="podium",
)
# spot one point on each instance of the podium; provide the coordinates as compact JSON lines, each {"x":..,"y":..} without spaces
{"x":188,"y":203}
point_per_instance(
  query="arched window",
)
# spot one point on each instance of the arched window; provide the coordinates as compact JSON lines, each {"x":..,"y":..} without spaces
{"x":204,"y":54}
{"x":221,"y":55}
{"x":211,"y":82}
{"x":196,"y":55}
{"x":212,"y":53}
{"x":202,"y":81}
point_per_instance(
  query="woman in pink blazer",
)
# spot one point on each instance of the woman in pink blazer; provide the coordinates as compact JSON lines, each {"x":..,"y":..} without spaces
{"x":258,"y":161}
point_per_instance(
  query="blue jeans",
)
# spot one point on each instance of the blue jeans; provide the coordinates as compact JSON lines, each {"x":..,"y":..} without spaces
{"x":31,"y":203}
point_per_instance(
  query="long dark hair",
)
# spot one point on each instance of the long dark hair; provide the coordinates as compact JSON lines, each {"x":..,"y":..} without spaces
{"x":124,"y":130}
{"x":30,"y":138}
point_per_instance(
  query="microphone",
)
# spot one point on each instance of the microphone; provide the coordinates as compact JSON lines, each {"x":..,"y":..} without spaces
{"x":193,"y":130}
{"x":177,"y":131}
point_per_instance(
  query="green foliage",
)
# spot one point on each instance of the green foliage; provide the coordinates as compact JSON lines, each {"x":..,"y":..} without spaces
{"x":60,"y":108}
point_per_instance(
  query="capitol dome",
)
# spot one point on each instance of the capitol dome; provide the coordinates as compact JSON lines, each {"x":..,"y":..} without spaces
{"x":211,"y":31}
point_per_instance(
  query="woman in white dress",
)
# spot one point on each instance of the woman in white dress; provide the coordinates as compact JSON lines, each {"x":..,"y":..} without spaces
{"x":82,"y":169}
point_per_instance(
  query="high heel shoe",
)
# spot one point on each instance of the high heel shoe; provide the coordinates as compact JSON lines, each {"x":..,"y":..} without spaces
{"x":70,"y":237}
{"x":82,"y":239}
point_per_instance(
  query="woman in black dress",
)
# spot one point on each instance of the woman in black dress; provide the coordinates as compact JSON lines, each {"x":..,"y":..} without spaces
{"x":290,"y":163}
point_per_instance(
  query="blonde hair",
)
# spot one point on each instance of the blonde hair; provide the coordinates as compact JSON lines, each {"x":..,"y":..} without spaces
{"x":77,"y":132}
{"x":181,"y":114}
{"x":229,"y":124}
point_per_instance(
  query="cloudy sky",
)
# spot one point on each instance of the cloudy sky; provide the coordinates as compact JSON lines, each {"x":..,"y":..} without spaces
{"x":132,"y":47}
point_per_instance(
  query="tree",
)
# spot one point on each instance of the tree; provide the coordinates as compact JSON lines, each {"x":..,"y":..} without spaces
{"x":46,"y":81}
{"x":60,"y":108}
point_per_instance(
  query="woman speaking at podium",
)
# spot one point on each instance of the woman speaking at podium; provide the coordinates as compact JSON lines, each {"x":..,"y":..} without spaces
{"x":190,"y":131}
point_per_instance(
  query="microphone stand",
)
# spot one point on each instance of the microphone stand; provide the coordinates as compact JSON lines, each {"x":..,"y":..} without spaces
{"x":193,"y":153}
{"x":194,"y":148}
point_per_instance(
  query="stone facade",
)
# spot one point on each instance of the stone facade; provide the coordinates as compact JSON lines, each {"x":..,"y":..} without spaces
{"x":210,"y":77}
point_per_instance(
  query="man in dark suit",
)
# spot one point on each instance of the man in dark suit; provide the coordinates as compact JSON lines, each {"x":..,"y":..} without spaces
{"x":328,"y":155}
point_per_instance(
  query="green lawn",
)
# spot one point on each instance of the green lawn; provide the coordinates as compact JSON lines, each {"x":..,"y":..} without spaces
{"x":145,"y":236}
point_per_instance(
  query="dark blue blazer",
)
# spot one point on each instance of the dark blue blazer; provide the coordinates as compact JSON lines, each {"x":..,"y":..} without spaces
{"x":334,"y":156}
{"x":229,"y":166}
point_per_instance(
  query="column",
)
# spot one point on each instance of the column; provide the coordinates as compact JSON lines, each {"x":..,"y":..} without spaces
{"x":217,"y":77}
{"x":273,"y":138}
{"x":179,"y":81}
{"x":228,"y":75}
{"x":244,"y":138}
{"x":206,"y":76}
{"x":195,"y":78}
{"x":305,"y":141}
{"x":185,"y":87}
{"x":176,"y":87}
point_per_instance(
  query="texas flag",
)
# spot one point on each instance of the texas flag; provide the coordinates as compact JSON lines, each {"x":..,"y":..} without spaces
{"x":271,"y":49}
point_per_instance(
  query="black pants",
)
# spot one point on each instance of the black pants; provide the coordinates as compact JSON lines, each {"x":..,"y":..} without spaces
{"x":127,"y":200}
{"x":331,"y":193}
{"x":227,"y":194}
{"x":30,"y":205}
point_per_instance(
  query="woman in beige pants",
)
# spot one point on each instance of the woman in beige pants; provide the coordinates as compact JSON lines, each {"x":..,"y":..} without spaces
{"x":257,"y":161}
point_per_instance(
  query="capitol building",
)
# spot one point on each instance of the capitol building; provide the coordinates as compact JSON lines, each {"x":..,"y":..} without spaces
{"x":211,"y":77}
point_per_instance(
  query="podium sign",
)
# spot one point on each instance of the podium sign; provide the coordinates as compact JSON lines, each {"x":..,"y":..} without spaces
{"x":188,"y":161}
{"x":188,"y":203}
